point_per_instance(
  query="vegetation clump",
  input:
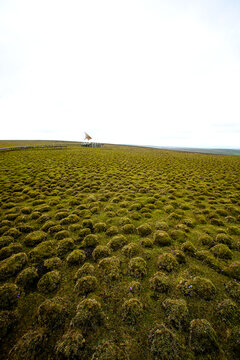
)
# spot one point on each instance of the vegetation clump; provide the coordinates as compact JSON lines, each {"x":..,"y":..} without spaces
{"x":167,"y":262}
{"x":64,"y":246}
{"x":88,"y":223}
{"x":176,"y":311}
{"x":76,"y":257}
{"x":233,"y":289}
{"x":144,"y":230}
{"x":227,"y":311}
{"x":49,"y":282}
{"x":70,"y":346}
{"x":9,"y":250}
{"x":35,"y":238}
{"x":8,"y":320}
{"x":71,"y":219}
{"x":9,"y":294}
{"x":108,"y":350}
{"x":223,"y":238}
{"x":91,"y":241}
{"x":131,"y":249}
{"x":207,"y":240}
{"x":161,"y":225}
{"x":164,"y":344}
{"x":146,"y":243}
{"x":137,"y":267}
{"x":89,"y":315}
{"x":111,"y":231}
{"x":53,"y":263}
{"x":233,"y":270}
{"x":178,"y":234}
{"x":110,"y":268}
{"x":5,"y":241}
{"x":180,"y":256}
{"x":86,"y":269}
{"x":53,"y":313}
{"x":83,"y":232}
{"x":11,"y":266}
{"x":117,"y":242}
{"x":203,"y":338}
{"x":234,"y":340}
{"x":63,"y":234}
{"x":199,"y":287}
{"x":188,"y":248}
{"x":161,"y":238}
{"x":160,"y":283}
{"x":221,"y":251}
{"x":27,"y":278}
{"x":100,"y":227}
{"x":132,"y":310}
{"x":101,"y":251}
{"x":30,"y":346}
{"x":128,"y":229}
{"x":42,"y":251}
{"x":86,"y":285}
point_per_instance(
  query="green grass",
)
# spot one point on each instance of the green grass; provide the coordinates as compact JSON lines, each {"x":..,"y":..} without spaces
{"x":154,"y":239}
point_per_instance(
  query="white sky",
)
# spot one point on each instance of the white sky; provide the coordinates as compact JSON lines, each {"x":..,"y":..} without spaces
{"x":147,"y":72}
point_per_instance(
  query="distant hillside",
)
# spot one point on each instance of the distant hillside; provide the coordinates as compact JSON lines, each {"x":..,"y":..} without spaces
{"x":235,"y":152}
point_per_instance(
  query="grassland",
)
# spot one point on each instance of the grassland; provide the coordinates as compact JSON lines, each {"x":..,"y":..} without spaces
{"x":14,"y":143}
{"x":119,"y":253}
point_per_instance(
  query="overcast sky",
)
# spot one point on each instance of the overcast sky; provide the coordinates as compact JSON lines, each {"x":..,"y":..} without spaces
{"x":147,"y":72}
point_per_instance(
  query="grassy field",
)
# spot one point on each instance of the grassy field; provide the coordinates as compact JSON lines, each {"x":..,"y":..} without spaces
{"x":119,"y":253}
{"x":13,"y":143}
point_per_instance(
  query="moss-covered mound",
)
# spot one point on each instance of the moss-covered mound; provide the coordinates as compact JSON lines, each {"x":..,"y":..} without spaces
{"x":76,"y":257}
{"x":167,"y":262}
{"x":70,"y":346}
{"x":132,"y":310}
{"x":27,"y":278}
{"x":161,"y":238}
{"x":108,"y":350}
{"x":30,"y":346}
{"x":176,"y":312}
{"x":160,"y":283}
{"x":12,"y":265}
{"x":86,"y":269}
{"x":53,"y":313}
{"x":101,"y":251}
{"x":86,"y":285}
{"x":164,"y":344}
{"x":137,"y":267}
{"x":144,"y":230}
{"x":203,"y":338}
{"x":117,"y":242}
{"x":9,"y":294}
{"x":89,"y":315}
{"x":199,"y":287}
{"x":8,"y":319}
{"x":35,"y":238}
{"x":110,"y":268}
{"x":49,"y":282}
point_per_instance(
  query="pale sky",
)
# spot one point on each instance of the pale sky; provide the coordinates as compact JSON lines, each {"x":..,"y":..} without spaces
{"x":146,"y":72}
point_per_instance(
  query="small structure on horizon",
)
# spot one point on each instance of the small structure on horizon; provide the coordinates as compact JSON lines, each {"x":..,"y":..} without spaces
{"x":87,"y":137}
{"x":88,"y":143}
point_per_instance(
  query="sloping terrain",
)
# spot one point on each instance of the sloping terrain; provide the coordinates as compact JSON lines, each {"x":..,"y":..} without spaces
{"x":119,"y":253}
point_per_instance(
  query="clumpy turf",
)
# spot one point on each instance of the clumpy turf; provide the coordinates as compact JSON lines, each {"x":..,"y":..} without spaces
{"x":119,"y":253}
